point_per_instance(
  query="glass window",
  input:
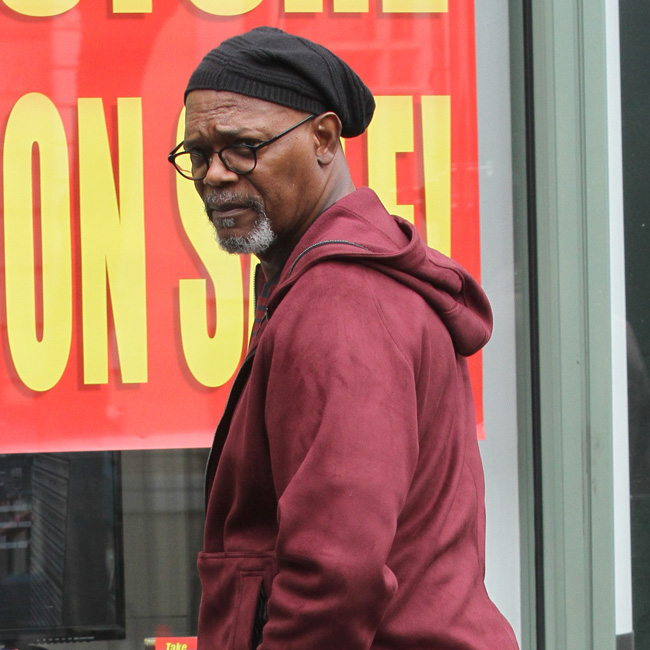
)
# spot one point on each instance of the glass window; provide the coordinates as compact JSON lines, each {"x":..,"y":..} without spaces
{"x":635,"y":88}
{"x":122,"y":325}
{"x":100,"y":546}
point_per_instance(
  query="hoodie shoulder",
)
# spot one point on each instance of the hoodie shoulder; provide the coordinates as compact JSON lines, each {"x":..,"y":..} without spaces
{"x":358,"y":230}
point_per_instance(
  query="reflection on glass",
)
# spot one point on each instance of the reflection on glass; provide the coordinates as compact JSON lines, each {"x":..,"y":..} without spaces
{"x":61,"y":567}
{"x":635,"y":86}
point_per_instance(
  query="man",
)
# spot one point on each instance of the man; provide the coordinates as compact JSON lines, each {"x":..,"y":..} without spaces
{"x":344,"y":487}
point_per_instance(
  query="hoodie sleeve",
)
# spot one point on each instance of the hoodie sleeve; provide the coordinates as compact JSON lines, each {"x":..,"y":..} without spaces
{"x":341,"y":418}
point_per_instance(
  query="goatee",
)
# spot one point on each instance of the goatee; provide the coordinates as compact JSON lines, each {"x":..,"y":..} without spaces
{"x":255,"y":242}
{"x":258,"y":240}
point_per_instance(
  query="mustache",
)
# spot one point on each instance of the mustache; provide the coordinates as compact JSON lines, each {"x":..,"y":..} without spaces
{"x":225,"y":199}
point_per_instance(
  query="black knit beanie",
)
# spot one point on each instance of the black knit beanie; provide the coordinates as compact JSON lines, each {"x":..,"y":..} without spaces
{"x":278,"y":67}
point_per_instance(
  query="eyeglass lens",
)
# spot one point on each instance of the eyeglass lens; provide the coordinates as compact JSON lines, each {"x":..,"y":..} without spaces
{"x":239,"y":159}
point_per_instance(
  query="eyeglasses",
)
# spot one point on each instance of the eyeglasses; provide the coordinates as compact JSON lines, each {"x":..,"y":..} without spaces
{"x":238,"y":158}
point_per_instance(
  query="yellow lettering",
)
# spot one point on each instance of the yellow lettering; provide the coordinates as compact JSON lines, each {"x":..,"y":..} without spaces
{"x":303,"y":6}
{"x":436,"y":151}
{"x":35,"y":120}
{"x":390,"y":132}
{"x":40,"y":7}
{"x":211,"y":359}
{"x":351,"y":6}
{"x":45,"y":8}
{"x":132,"y":6}
{"x":226,"y":7}
{"x":415,"y":6}
{"x":112,"y":241}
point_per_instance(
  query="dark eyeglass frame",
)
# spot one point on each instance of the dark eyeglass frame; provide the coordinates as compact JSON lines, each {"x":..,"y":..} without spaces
{"x":253,"y":148}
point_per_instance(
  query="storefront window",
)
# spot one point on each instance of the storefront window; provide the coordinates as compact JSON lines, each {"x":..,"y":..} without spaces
{"x":122,"y":325}
{"x":99,"y":546}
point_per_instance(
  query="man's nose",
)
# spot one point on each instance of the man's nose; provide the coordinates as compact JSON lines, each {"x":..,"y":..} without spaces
{"x":218,"y":173}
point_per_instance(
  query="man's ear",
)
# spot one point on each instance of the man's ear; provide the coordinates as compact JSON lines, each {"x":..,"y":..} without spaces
{"x":327,"y":129}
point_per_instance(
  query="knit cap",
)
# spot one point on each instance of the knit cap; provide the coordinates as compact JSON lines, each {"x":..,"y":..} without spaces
{"x":270,"y":64}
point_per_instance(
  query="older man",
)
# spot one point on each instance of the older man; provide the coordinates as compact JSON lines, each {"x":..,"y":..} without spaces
{"x":344,"y":487}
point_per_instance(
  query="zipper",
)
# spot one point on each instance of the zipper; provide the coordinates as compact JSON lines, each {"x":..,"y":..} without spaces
{"x":255,"y":274}
{"x":265,"y":316}
{"x":323,"y":243}
{"x":219,"y":440}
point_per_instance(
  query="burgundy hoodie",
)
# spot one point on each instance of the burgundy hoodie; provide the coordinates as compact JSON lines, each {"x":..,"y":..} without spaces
{"x":345,"y":491}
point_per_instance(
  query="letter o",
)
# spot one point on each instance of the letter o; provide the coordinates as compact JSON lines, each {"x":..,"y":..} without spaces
{"x":226,"y":7}
{"x":41,"y":8}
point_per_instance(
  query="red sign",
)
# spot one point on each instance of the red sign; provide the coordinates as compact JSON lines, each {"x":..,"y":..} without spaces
{"x":122,"y":324}
{"x":174,"y":643}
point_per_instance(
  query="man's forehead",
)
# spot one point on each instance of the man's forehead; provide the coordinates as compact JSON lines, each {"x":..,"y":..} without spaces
{"x":219,"y":111}
{"x":223,"y":103}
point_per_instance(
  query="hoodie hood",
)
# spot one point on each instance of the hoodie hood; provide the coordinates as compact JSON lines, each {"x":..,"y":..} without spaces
{"x":359,"y":229}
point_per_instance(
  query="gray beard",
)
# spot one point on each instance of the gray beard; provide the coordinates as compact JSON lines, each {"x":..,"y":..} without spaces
{"x":255,"y":242}
{"x":258,"y":240}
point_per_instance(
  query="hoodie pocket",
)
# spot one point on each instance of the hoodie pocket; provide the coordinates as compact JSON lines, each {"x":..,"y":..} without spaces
{"x":233,"y":602}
